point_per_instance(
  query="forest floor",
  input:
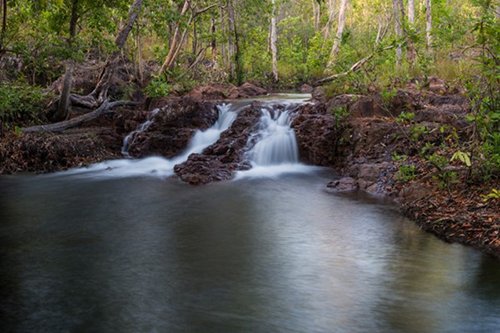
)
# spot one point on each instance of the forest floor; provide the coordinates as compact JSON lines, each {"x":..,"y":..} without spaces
{"x":397,"y":147}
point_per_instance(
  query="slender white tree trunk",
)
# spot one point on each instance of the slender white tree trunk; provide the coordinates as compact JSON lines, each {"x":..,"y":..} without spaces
{"x":411,"y":23}
{"x":398,"y":27}
{"x":274,"y":40}
{"x":338,"y":37}
{"x":331,"y":17}
{"x":175,"y":41}
{"x":316,"y":13}
{"x":428,"y":26}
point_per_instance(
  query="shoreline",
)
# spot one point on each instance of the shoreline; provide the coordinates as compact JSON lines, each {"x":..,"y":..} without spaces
{"x":362,"y":147}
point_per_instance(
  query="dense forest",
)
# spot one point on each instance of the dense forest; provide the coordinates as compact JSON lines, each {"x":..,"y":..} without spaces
{"x":172,"y":46}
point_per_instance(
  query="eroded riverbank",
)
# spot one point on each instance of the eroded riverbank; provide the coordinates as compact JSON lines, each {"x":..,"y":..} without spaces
{"x":364,"y":138}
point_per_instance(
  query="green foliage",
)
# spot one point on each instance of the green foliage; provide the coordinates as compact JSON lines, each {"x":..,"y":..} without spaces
{"x":427,"y":149}
{"x":21,"y":103}
{"x":405,"y":117}
{"x":447,"y":178}
{"x":406,"y":173}
{"x":463,"y":157}
{"x":493,"y":195}
{"x":398,"y":158}
{"x":388,"y":95}
{"x":438,"y":161}
{"x":157,"y":87}
{"x":416,"y":131}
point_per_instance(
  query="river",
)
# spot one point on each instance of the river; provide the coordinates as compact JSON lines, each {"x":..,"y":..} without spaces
{"x":271,"y":254}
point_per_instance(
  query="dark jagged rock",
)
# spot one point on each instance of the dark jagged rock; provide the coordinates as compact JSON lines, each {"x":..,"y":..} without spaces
{"x":318,"y":132}
{"x":173,"y":126}
{"x":247,"y":90}
{"x":222,"y":159}
{"x":226,"y":91}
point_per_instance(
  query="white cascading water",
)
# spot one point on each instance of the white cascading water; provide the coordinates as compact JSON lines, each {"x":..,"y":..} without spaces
{"x":157,"y":166}
{"x":276,"y":151}
{"x":141,"y":128}
{"x":277,"y":144}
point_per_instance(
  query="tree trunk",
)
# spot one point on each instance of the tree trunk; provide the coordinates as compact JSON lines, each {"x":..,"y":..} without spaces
{"x":316,"y":13}
{"x":77,"y":121}
{"x":428,"y":25}
{"x":411,"y":53}
{"x":140,"y":63}
{"x":236,"y":72}
{"x":213,"y":42}
{"x":169,"y":60}
{"x":274,"y":40}
{"x":194,"y":44}
{"x":223,"y":28}
{"x":331,"y":17}
{"x":64,"y":100}
{"x":4,"y":24}
{"x":398,"y":27}
{"x":101,"y":90}
{"x":338,"y":37}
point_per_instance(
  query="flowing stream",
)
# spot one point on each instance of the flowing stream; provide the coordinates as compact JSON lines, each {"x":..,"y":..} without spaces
{"x":156,"y":166}
{"x":106,"y":249}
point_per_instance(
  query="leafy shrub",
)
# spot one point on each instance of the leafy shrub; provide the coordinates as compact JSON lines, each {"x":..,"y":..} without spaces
{"x":417,"y":131}
{"x":157,"y":87}
{"x":405,"y":117}
{"x":21,"y":103}
{"x":406,"y":173}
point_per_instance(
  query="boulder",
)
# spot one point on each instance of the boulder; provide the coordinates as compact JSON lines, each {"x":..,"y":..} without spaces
{"x":222,"y":159}
{"x":344,"y":184}
{"x":246,"y":90}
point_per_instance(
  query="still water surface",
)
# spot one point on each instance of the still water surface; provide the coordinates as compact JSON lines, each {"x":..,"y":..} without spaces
{"x":254,"y":255}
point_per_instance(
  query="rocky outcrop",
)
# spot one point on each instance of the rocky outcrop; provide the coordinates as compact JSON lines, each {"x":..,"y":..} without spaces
{"x":222,"y":159}
{"x":317,"y":134}
{"x":226,"y":91}
{"x":173,"y":127}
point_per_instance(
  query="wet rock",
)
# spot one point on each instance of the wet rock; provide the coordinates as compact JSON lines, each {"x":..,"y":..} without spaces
{"x":247,"y":90}
{"x":316,"y":133}
{"x":173,"y":127}
{"x":222,"y":159}
{"x":226,"y":91}
{"x":212,"y":92}
{"x":372,"y":171}
{"x":344,"y":184}
{"x":306,"y":89}
{"x":319,"y":94}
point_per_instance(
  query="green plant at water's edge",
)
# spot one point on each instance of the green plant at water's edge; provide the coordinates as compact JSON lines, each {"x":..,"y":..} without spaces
{"x":397,"y":157}
{"x":406,"y":173}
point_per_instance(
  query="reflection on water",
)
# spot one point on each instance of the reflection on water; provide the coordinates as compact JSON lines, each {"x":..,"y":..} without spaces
{"x":269,"y":255}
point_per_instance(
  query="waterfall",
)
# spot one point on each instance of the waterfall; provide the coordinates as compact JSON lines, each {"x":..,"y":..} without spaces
{"x":203,"y":139}
{"x":141,"y":128}
{"x":157,"y":166}
{"x":277,"y":143}
{"x":273,"y":150}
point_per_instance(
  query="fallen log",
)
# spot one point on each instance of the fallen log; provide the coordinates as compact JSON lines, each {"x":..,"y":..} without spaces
{"x":104,"y":108}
